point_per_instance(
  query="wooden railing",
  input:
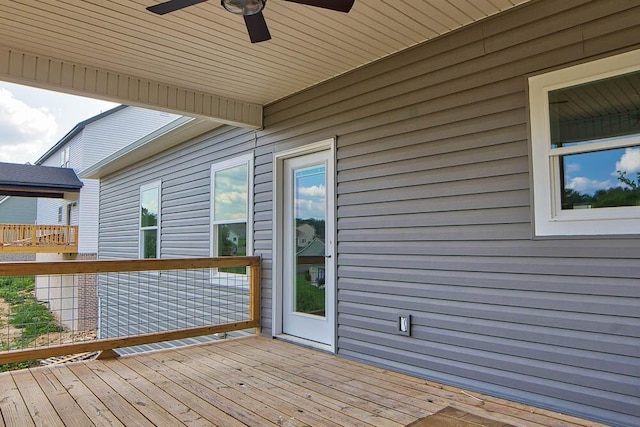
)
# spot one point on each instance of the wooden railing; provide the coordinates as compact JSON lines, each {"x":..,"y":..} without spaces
{"x":193,"y":277}
{"x":30,"y":238}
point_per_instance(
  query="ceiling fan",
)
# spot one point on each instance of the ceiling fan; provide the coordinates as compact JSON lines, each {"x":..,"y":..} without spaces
{"x":251,"y":10}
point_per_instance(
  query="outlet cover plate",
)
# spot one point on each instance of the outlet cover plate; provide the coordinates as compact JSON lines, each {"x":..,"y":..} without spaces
{"x":404,"y":324}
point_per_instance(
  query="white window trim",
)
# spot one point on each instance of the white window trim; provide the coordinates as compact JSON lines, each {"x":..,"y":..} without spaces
{"x":549,"y":220}
{"x":143,"y":188}
{"x":226,"y":164}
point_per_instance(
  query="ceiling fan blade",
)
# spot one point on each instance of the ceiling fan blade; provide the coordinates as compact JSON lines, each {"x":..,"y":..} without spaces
{"x":257,"y":27}
{"x":172,"y":6}
{"x":338,"y":5}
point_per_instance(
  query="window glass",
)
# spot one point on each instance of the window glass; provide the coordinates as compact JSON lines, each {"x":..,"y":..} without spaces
{"x":149,"y":220}
{"x":585,"y":147}
{"x":597,"y":110}
{"x":149,"y":243}
{"x":149,"y":208}
{"x":595,"y":118}
{"x":230,"y":192}
{"x":230,"y":210}
{"x":600,"y":179}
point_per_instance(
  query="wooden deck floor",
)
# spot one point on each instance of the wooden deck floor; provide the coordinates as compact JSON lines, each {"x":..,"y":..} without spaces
{"x":252,"y":381}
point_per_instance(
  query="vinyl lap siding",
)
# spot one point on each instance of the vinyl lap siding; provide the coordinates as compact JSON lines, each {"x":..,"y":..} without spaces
{"x":47,"y":211}
{"x":115,"y":131}
{"x":185,"y":172}
{"x":17,"y":210}
{"x":434,"y":218}
{"x":85,"y":214}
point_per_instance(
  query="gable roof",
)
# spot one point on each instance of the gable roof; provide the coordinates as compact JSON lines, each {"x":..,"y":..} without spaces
{"x":37,"y":181}
{"x":76,"y":130}
{"x":173,"y":133}
{"x":314,"y":248}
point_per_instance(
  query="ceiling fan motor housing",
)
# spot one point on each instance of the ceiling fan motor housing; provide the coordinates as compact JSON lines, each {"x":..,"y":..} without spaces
{"x":244,"y":7}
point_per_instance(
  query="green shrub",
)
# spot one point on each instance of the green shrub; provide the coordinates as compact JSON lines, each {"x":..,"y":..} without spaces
{"x":34,"y":319}
{"x":15,"y":290}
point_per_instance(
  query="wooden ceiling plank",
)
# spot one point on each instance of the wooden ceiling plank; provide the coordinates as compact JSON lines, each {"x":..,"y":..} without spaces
{"x":87,"y":33}
{"x":205,"y":40}
{"x":204,"y":47}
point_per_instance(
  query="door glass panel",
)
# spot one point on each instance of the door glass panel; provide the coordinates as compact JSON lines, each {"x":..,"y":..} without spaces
{"x":309,"y":206}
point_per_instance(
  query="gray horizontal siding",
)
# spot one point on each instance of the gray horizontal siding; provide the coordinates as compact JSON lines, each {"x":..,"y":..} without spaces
{"x":185,"y":172}
{"x":169,"y":301}
{"x":18,"y":210}
{"x":434,"y":217}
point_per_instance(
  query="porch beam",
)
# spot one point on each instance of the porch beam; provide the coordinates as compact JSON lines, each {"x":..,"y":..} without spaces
{"x":83,"y":80}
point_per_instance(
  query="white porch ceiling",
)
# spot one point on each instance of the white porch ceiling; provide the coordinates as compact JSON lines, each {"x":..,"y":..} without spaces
{"x":204,"y":51}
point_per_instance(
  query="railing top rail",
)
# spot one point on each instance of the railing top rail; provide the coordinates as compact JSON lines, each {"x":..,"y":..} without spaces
{"x":24,"y":268}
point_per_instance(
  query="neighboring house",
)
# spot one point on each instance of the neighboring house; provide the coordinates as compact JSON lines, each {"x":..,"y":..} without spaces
{"x":304,"y":234}
{"x":446,"y":175}
{"x":17,"y":210}
{"x":87,"y":143}
{"x":315,"y":271}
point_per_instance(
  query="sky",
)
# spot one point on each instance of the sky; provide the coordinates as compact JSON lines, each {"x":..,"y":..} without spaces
{"x":33,"y":120}
{"x":590,"y":172}
{"x":310,"y":192}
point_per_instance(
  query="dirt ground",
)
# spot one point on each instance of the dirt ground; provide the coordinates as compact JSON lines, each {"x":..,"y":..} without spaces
{"x":8,"y":332}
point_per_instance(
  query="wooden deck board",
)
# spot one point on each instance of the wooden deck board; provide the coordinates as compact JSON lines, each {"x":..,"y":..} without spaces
{"x":13,"y":408}
{"x":361,"y":404}
{"x":193,"y":401}
{"x":251,"y":381}
{"x":67,"y":408}
{"x":92,"y":407}
{"x":40,"y":408}
{"x":299,"y":396}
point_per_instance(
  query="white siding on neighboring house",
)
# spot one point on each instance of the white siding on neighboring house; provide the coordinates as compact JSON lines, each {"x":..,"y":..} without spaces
{"x":94,"y":142}
{"x":111,"y":133}
{"x":88,"y":218}
{"x":47,"y":211}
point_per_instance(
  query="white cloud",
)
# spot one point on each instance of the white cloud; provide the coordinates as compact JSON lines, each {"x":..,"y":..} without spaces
{"x":313,"y":191}
{"x":311,"y":202}
{"x":572,"y":167}
{"x":629,"y":162}
{"x":32,"y":120}
{"x":583,"y":184}
{"x":310,"y":208}
{"x":24,"y":130}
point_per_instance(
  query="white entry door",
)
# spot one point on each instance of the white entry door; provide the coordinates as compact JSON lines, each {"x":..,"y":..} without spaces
{"x":308,"y":296}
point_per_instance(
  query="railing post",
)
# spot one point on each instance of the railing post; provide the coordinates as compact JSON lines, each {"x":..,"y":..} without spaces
{"x":255,"y":298}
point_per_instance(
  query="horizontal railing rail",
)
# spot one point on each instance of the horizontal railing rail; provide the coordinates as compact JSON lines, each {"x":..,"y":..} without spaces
{"x":135,"y":303}
{"x":31,"y":238}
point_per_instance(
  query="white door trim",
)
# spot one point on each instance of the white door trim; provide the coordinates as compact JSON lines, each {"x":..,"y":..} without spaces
{"x":277,"y":289}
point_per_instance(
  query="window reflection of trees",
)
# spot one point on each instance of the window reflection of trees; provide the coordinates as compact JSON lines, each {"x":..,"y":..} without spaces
{"x":627,"y":195}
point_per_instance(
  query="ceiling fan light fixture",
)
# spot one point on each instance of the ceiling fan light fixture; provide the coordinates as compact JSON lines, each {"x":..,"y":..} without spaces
{"x":244,"y":7}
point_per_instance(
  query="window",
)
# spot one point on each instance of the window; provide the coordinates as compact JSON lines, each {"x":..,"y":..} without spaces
{"x":65,"y":157}
{"x":60,"y":214}
{"x":230,"y":203}
{"x":585,"y":141}
{"x":150,"y":220}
